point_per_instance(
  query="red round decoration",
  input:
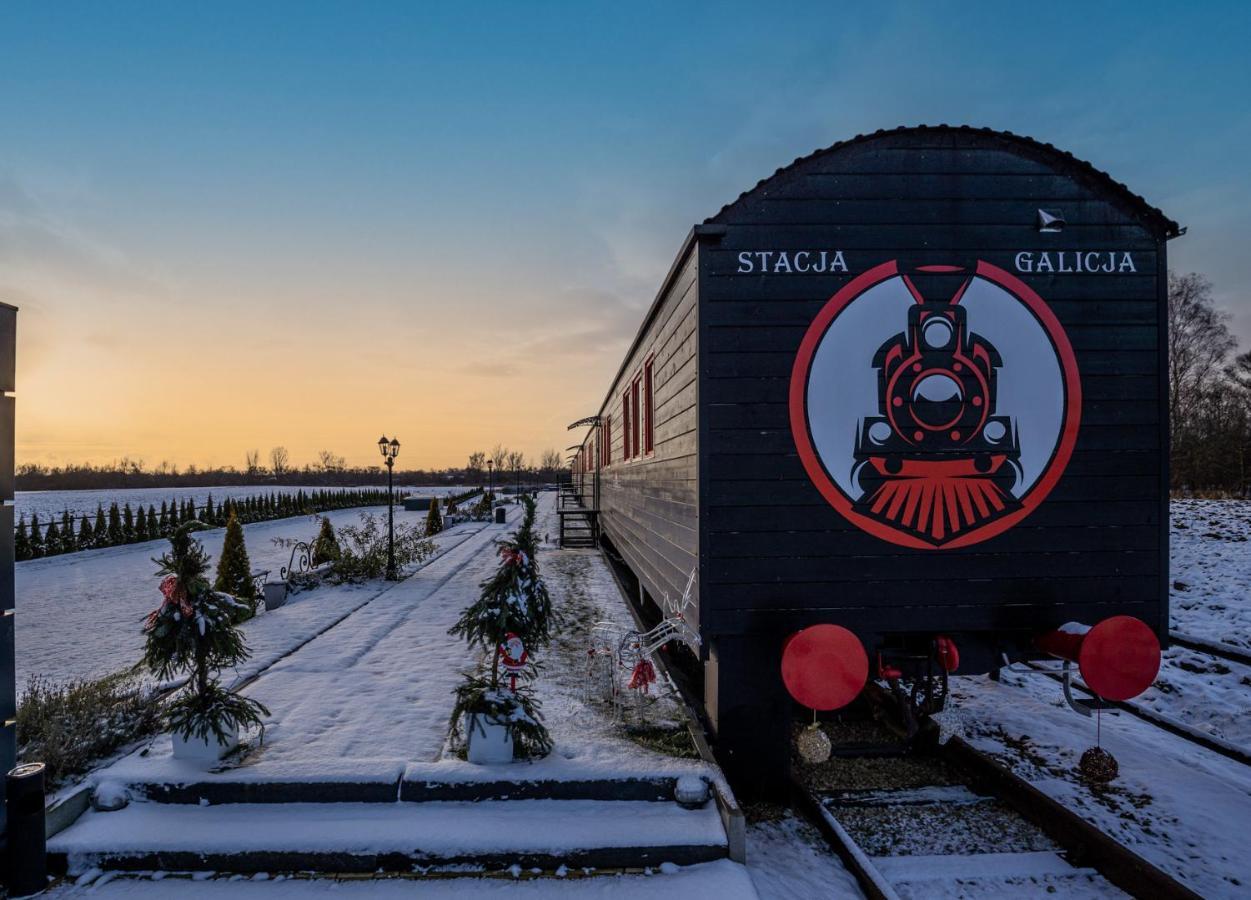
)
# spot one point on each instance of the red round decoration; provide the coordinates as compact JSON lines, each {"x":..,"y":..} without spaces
{"x":824,"y":667}
{"x":1119,"y":657}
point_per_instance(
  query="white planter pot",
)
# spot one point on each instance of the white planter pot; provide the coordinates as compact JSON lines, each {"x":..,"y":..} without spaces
{"x":275,"y":594}
{"x":489,"y":742}
{"x":205,"y":750}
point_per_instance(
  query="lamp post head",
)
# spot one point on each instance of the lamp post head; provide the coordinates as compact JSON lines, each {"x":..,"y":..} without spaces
{"x":490,"y":464}
{"x":382,"y":445}
{"x":395,"y":447}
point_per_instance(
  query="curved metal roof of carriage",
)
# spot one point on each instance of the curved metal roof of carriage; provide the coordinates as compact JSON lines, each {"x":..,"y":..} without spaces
{"x":1062,"y":160}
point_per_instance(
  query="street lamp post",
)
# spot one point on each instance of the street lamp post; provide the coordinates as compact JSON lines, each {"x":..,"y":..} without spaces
{"x":390,"y":450}
{"x":491,"y":479}
{"x":517,"y":482}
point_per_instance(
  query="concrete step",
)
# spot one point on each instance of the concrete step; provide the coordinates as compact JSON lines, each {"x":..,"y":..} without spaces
{"x":417,"y":786}
{"x":389,"y":837}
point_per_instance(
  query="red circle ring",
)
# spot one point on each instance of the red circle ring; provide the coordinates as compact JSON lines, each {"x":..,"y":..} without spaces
{"x":821,"y":478}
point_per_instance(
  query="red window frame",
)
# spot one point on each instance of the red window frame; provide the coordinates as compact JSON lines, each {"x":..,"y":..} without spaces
{"x":649,"y":407}
{"x":607,"y":440}
{"x":635,"y":425}
{"x":625,"y":424}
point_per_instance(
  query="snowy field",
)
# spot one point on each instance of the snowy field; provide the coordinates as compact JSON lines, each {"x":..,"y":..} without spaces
{"x":1210,"y":569}
{"x":49,"y":504}
{"x":79,"y":615}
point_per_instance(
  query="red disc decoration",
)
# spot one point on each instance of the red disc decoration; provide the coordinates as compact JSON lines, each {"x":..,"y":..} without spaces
{"x":1119,"y":657}
{"x":824,"y":666}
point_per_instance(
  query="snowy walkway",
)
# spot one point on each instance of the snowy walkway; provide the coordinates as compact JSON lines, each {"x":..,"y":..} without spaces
{"x":371,"y":693}
{"x":368,"y":700}
{"x":79,"y":615}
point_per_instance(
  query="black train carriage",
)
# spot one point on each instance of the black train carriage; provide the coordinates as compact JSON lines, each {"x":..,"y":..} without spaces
{"x":902,"y":407}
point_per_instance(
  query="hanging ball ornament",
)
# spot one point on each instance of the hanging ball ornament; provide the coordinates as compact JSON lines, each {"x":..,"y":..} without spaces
{"x":813,"y":745}
{"x":1098,"y":766}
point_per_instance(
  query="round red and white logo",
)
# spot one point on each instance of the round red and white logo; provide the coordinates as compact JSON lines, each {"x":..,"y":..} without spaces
{"x":935,"y":421}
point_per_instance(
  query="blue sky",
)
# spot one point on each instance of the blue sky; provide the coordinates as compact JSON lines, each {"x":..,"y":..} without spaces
{"x":423,"y":193}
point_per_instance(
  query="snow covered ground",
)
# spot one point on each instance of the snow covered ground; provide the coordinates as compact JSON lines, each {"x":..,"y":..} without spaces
{"x":369,"y":698}
{"x":1210,"y":598}
{"x":79,"y":615}
{"x":1210,"y":569}
{"x":1176,"y":804}
{"x":789,"y":860}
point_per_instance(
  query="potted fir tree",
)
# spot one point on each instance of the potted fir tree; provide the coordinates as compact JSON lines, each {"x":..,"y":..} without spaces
{"x":195,"y":632}
{"x":497,"y":710}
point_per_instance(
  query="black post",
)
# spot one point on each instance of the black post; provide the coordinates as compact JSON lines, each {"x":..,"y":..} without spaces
{"x":27,"y":850}
{"x":491,"y":479}
{"x":8,"y":679}
{"x":390,"y":519}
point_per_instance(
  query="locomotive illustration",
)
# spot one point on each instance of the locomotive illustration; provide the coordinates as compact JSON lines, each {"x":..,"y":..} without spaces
{"x":937,"y":460}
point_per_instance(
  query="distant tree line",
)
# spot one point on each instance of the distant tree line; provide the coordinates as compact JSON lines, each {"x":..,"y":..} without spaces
{"x":126,"y":526}
{"x":330,"y":470}
{"x":1209,"y":393}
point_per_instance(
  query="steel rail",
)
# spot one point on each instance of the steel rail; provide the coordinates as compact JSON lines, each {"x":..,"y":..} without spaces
{"x":1215,"y":648}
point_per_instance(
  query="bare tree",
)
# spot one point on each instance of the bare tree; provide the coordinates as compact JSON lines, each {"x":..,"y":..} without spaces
{"x":477,"y":463}
{"x":499,"y":456}
{"x":329,"y":461}
{"x":279,"y":461}
{"x":1198,"y":342}
{"x":253,"y":458}
{"x":549,"y":463}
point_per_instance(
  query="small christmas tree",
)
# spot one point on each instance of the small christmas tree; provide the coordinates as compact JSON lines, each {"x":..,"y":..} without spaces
{"x":69,"y":543}
{"x":154,"y":528}
{"x":36,"y":537}
{"x":141,"y":524}
{"x":99,"y":531}
{"x":326,"y":547}
{"x":128,"y":524}
{"x":116,"y":535}
{"x":514,"y":605}
{"x":86,"y":535}
{"x":234,"y":571}
{"x":434,"y":521}
{"x":194,"y":632}
{"x":21,"y":541}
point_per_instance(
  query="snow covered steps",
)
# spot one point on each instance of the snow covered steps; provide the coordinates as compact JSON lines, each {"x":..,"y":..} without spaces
{"x":416,"y":788}
{"x":463,"y":837}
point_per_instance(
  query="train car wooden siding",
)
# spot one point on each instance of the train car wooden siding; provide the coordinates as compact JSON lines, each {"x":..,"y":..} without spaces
{"x":911,"y":385}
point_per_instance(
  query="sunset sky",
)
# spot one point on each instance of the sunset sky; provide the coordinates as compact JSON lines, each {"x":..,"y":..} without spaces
{"x":230,"y":227}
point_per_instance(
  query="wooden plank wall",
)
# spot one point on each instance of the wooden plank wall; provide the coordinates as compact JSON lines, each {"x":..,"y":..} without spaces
{"x":648,"y":506}
{"x":776,"y":556}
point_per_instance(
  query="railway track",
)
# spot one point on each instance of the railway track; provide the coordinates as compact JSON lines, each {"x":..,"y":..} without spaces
{"x":1227,"y":652}
{"x":927,"y":820}
{"x":1160,"y":720}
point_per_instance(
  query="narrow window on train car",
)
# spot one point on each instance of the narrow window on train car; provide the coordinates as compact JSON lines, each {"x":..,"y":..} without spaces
{"x":625,"y":424}
{"x":607,"y":440}
{"x":649,"y":406}
{"x":635,"y":425}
